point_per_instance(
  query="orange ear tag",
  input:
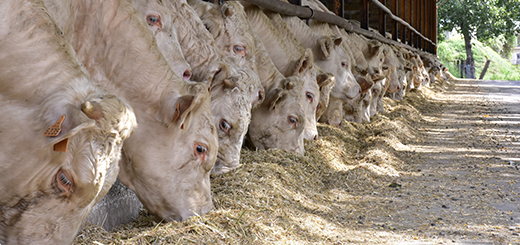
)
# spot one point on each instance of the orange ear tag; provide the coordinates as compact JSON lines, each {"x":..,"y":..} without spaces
{"x":55,"y":129}
{"x":62,"y":145}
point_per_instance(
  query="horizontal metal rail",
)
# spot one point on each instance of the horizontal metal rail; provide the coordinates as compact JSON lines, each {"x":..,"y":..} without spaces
{"x":308,"y":13}
{"x":384,"y":8}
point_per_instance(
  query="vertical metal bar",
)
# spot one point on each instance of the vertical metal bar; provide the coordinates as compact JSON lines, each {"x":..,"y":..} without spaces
{"x":395,"y":24}
{"x":364,"y":15}
{"x":338,"y":8}
{"x":382,"y":20}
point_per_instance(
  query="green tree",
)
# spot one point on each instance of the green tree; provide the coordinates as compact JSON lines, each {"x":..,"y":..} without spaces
{"x":480,"y":19}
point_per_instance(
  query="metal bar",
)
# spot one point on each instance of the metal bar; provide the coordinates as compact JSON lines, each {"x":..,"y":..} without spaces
{"x":382,"y":21}
{"x":305,"y":13}
{"x":365,"y":15}
{"x":338,"y":8}
{"x":384,"y":8}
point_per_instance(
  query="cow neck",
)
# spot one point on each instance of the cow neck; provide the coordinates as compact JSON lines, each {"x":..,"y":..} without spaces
{"x":197,"y":44}
{"x":46,"y":61}
{"x":304,"y":35}
{"x":118,"y":50}
{"x":279,"y":49}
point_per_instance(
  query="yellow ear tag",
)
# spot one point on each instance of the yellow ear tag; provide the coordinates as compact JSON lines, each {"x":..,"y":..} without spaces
{"x":55,"y":129}
{"x":62,"y":145}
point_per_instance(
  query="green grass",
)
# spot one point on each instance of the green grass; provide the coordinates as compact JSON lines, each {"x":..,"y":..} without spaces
{"x":500,"y":69}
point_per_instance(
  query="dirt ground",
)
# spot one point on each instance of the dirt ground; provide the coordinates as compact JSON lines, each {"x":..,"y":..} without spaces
{"x":440,"y":167}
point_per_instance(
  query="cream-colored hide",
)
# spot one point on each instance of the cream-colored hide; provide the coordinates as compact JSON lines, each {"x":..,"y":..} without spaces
{"x":160,"y":22}
{"x":49,"y":183}
{"x":330,"y":56}
{"x":271,"y":127}
{"x":291,"y":59}
{"x":233,"y":39}
{"x":167,"y":162}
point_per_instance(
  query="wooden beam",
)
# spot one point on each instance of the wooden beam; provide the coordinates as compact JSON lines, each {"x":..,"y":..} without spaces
{"x":410,"y":21}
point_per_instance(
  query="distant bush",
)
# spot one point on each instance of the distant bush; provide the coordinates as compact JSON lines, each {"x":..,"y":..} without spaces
{"x":500,"y":69}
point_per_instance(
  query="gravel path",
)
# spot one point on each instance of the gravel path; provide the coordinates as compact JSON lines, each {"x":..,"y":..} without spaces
{"x":466,"y":185}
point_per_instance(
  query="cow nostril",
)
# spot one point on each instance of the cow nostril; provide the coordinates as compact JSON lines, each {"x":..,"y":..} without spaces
{"x":315,"y":137}
{"x":187,"y":74}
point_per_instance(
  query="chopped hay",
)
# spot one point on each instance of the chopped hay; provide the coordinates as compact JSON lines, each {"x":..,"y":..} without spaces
{"x":277,"y":197}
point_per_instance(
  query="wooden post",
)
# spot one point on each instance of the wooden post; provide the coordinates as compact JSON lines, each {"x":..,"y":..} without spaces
{"x":338,"y":8}
{"x":410,"y":21}
{"x":402,"y":8}
{"x":395,"y":25}
{"x":484,"y":70}
{"x":382,"y":20}
{"x":364,"y":15}
{"x":434,"y":38}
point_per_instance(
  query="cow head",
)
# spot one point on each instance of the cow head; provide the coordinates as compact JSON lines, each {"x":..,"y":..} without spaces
{"x":181,"y":142}
{"x":280,"y":120}
{"x":50,"y":183}
{"x":160,"y":22}
{"x":231,"y":104}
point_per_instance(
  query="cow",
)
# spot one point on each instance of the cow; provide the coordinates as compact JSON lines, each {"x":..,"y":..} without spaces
{"x":234,"y":90}
{"x":291,"y":59}
{"x":167,"y":161}
{"x":330,"y":56}
{"x":60,"y":135}
{"x":277,"y":122}
{"x":159,"y":21}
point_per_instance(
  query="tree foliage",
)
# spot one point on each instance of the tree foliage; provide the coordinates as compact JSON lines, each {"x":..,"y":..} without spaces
{"x":481,"y":19}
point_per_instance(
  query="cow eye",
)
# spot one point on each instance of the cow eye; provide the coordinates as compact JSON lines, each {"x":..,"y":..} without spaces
{"x":293,"y":121}
{"x":240,"y":50}
{"x":381,"y":59}
{"x":318,"y":106}
{"x":200,"y":151}
{"x":375,"y":91}
{"x":344,"y":64}
{"x":152,"y":19}
{"x":224,"y":126}
{"x":310,"y":96}
{"x":65,"y":182}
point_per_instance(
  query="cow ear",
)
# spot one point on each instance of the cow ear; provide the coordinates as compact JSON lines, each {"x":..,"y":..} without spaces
{"x":221,"y":73}
{"x":273,"y":96}
{"x":227,"y":11}
{"x":326,"y":46}
{"x":304,"y":63}
{"x":337,"y":40}
{"x":325,"y":79}
{"x":364,"y":83}
{"x":183,"y":106}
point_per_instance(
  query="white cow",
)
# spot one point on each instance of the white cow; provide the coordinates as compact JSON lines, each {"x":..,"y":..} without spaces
{"x":60,"y":135}
{"x":167,"y":162}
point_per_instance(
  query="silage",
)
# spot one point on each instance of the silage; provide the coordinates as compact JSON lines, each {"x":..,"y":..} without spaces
{"x":277,"y":197}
